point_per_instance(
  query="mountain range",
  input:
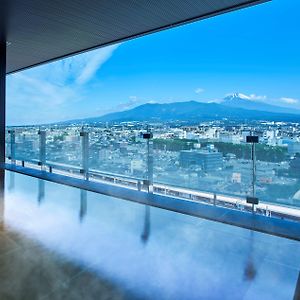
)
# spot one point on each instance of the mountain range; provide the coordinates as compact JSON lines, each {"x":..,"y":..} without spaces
{"x":233,"y":107}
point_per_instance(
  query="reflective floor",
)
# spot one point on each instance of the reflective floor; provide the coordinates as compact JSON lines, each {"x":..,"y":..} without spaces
{"x":58,"y":242}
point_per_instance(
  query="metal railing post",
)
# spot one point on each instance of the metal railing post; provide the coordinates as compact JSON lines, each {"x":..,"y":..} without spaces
{"x":42,"y":150}
{"x":85,"y":153}
{"x":150,"y":165}
{"x":253,"y":199}
{"x":148,"y":136}
{"x":12,"y":146}
{"x":139,"y":185}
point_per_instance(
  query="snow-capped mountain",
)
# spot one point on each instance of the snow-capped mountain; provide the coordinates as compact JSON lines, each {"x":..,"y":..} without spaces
{"x":242,"y":101}
{"x":191,"y":111}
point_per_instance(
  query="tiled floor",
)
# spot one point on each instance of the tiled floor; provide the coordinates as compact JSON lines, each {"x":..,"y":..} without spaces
{"x":57,"y":242}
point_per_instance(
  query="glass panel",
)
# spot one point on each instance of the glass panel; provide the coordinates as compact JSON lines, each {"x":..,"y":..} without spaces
{"x":118,"y":150}
{"x":64,"y":147}
{"x":8,"y":144}
{"x":27,"y":144}
{"x":203,"y":164}
{"x":278,"y":172}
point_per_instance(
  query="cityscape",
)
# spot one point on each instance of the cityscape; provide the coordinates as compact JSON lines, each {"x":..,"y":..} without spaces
{"x":210,"y":156}
{"x":88,"y":114}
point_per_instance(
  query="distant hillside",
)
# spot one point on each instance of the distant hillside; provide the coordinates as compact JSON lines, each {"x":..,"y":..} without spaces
{"x":190,"y":111}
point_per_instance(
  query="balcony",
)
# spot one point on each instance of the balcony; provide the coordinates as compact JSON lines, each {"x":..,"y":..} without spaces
{"x":101,"y":245}
{"x":201,"y":202}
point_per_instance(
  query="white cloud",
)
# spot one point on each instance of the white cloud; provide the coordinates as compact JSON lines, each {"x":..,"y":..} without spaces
{"x":289,"y":100}
{"x":41,"y":91}
{"x":256,"y":97}
{"x":44,"y":88}
{"x":199,"y":90}
{"x":94,"y":62}
{"x":133,"y":98}
{"x":133,"y":101}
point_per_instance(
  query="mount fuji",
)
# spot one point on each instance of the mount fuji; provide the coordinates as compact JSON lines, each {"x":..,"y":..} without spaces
{"x":238,"y":100}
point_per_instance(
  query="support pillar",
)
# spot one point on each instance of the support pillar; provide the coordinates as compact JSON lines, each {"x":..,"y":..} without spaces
{"x":2,"y":96}
{"x":2,"y":117}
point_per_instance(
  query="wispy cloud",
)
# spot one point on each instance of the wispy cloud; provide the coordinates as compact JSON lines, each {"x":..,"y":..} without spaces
{"x":289,"y":100}
{"x":95,"y":62}
{"x":199,"y":90}
{"x":257,"y":97}
{"x":132,"y":102}
{"x":44,"y":88}
{"x":41,"y":91}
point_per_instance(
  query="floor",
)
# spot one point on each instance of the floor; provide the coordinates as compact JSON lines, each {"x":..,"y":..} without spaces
{"x":59,"y":242}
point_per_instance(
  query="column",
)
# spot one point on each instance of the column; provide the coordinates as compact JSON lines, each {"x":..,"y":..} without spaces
{"x":2,"y":96}
{"x":2,"y":117}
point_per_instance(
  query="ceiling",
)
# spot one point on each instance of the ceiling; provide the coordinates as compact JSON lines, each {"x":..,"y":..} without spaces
{"x":39,"y":31}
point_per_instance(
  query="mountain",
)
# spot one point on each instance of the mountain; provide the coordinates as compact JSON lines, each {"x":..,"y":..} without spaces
{"x":189,"y":111}
{"x":243,"y":101}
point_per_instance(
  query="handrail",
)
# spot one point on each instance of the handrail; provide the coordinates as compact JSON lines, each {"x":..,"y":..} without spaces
{"x":222,"y":200}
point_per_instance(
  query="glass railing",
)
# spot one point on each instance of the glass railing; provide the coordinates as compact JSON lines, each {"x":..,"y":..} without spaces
{"x":27,"y":144}
{"x":245,"y":175}
{"x":117,"y":156}
{"x":63,"y":147}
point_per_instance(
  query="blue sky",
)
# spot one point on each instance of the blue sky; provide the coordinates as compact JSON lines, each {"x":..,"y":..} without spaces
{"x":254,"y":51}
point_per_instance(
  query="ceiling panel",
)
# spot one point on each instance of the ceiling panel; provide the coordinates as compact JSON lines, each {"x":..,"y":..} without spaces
{"x":40,"y":31}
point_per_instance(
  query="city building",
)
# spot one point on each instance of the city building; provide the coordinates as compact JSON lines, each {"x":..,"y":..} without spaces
{"x":295,"y":165}
{"x":293,"y":148}
{"x":209,"y":161}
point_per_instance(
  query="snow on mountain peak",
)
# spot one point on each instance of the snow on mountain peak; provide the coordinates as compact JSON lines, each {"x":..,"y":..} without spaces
{"x":238,"y":96}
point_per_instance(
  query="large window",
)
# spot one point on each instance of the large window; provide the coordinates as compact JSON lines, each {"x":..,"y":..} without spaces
{"x":171,"y":112}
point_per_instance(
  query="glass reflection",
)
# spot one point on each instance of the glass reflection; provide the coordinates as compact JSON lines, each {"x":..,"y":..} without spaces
{"x":83,"y":205}
{"x":41,"y":190}
{"x":250,"y":268}
{"x":11,"y":184}
{"x":146,"y":229}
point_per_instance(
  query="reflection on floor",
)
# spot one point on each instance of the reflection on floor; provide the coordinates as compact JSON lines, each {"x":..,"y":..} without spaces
{"x":58,"y":242}
{"x":27,"y":271}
